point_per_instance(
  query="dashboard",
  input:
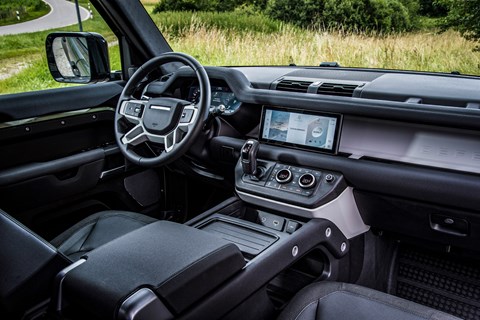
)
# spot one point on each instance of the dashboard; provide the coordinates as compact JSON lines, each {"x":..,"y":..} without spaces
{"x":222,"y":98}
{"x":419,"y":119}
{"x":404,"y":144}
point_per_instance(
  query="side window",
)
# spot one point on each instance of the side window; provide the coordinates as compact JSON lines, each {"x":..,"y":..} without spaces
{"x":24,"y":26}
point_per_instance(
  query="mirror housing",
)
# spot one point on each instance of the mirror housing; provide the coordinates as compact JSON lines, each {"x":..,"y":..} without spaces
{"x":77,"y":57}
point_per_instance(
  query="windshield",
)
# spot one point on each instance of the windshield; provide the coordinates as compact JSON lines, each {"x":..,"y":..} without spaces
{"x":419,"y":35}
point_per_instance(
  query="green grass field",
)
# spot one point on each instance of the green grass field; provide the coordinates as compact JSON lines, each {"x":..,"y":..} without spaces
{"x":239,"y":39}
{"x":28,"y":10}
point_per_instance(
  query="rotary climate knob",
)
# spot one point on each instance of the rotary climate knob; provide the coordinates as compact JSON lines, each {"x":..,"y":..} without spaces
{"x":283,"y":176}
{"x":307,"y":181}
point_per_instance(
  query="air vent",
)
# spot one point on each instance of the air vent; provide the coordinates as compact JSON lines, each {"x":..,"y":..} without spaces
{"x":293,"y":85}
{"x":337,"y":89}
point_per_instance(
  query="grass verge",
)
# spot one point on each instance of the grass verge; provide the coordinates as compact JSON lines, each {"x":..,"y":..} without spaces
{"x":223,"y":44}
{"x":180,"y":23}
{"x":27,"y":9}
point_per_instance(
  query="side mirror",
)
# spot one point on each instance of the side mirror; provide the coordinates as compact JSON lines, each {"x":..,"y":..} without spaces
{"x":77,"y":57}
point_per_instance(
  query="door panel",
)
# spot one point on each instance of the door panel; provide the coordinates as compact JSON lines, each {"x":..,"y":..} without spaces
{"x":58,"y":155}
{"x":39,"y":103}
{"x":59,"y":135}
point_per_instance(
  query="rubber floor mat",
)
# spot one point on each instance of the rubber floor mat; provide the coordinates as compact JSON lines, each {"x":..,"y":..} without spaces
{"x":440,"y":281}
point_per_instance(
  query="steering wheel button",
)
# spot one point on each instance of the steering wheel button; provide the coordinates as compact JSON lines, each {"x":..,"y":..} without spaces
{"x":129,"y":109}
{"x":186,"y":116}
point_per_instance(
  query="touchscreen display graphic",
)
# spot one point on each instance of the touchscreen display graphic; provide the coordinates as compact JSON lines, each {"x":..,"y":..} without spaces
{"x":309,"y":130}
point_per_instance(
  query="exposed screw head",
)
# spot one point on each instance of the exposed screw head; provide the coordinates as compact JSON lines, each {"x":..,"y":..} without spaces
{"x":343,"y":247}
{"x":328,"y":232}
{"x":294,"y":251}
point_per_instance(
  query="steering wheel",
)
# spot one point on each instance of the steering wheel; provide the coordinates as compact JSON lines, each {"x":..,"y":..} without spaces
{"x":173,"y":123}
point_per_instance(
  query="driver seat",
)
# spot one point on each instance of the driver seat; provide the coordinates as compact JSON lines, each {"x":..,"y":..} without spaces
{"x":28,"y":263}
{"x":97,"y":230}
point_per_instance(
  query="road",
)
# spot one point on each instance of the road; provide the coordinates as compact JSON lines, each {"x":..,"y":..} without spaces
{"x":63,"y":14}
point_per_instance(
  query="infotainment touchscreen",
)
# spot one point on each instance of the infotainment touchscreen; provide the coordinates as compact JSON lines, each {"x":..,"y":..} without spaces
{"x":301,"y":129}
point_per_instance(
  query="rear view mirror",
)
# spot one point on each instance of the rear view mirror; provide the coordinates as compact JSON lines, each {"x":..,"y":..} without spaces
{"x":77,"y":57}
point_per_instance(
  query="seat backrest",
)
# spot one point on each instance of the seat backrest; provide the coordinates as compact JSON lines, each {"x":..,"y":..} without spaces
{"x":28,"y":265}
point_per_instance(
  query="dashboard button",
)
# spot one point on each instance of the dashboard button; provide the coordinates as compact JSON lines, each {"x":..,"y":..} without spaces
{"x":271,"y":221}
{"x":329,"y":178}
{"x":307,"y":193}
{"x":307,"y":181}
{"x":272,"y":184}
{"x":284,"y":176}
{"x":292,"y":226}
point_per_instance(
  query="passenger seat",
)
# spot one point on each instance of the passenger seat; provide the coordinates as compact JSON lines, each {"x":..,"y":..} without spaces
{"x":342,"y":301}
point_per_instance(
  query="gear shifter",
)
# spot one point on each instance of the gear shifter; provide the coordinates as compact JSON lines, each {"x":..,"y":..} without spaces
{"x":249,"y":158}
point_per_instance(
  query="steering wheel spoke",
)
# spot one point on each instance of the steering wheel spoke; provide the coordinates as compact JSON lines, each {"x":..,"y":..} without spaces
{"x":135,"y":136}
{"x":186,"y":123}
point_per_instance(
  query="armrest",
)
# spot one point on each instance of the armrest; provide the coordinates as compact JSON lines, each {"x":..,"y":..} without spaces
{"x":180,"y":264}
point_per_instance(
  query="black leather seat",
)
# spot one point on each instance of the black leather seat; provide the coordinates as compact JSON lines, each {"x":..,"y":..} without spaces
{"x":342,"y":301}
{"x":28,"y":263}
{"x":97,"y":230}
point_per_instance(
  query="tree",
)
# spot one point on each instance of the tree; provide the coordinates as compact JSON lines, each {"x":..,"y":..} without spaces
{"x":464,"y":16}
{"x":349,"y":15}
{"x":433,"y":8}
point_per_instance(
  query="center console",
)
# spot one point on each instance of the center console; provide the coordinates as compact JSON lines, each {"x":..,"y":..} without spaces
{"x":301,"y":191}
{"x":200,"y":270}
{"x":288,"y":223}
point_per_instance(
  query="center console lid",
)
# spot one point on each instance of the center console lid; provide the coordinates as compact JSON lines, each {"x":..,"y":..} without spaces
{"x":180,"y":264}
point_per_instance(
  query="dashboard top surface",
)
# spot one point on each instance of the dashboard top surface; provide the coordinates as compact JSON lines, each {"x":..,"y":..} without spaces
{"x":422,"y":119}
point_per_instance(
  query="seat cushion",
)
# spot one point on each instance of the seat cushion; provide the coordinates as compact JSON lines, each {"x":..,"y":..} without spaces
{"x":342,"y":301}
{"x":97,"y":230}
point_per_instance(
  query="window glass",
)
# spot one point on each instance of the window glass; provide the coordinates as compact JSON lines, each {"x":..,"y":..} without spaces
{"x":423,"y":35}
{"x":24,"y":26}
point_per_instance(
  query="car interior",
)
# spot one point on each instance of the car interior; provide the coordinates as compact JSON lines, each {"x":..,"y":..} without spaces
{"x":175,"y":190}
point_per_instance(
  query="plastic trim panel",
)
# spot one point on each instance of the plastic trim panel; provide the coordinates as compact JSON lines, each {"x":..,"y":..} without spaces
{"x":143,"y":305}
{"x":342,"y":211}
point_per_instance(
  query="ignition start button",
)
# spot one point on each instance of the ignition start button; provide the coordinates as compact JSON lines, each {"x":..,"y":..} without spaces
{"x":284,"y":176}
{"x":306,"y":181}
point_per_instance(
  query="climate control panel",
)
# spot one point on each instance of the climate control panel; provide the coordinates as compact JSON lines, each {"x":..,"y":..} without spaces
{"x":293,"y":179}
{"x":293,"y":184}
